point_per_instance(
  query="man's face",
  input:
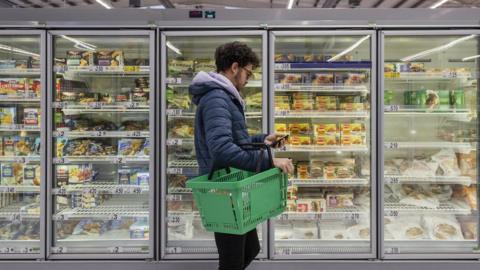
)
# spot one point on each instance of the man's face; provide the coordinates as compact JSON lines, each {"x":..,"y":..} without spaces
{"x":242,"y":75}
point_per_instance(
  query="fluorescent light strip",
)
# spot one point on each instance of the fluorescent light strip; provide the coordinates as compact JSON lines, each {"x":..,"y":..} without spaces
{"x":80,"y":44}
{"x":173,"y":48}
{"x":18,"y":51}
{"x":439,"y":3}
{"x":471,"y":57}
{"x":349,"y":49}
{"x":290,"y":4}
{"x":105,"y":5}
{"x":436,"y":49}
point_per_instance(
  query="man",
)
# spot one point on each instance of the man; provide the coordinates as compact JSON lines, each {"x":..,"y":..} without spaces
{"x":220,"y":129}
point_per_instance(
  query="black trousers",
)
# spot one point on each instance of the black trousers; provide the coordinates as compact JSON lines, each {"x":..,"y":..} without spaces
{"x":236,"y":252}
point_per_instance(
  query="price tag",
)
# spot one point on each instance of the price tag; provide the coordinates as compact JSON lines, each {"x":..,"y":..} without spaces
{"x":120,"y":160}
{"x":283,"y":217}
{"x":60,"y":217}
{"x":95,"y":105}
{"x":392,"y":108}
{"x":393,"y":250}
{"x":7,"y":250}
{"x":119,"y":190}
{"x":132,"y":105}
{"x":174,"y":220}
{"x":174,"y":250}
{"x":174,"y":142}
{"x":10,"y":189}
{"x":90,"y":190}
{"x":98,"y":134}
{"x":391,"y":213}
{"x":62,"y":191}
{"x":172,"y":112}
{"x":98,"y":68}
{"x":113,"y":217}
{"x":134,"y":134}
{"x":115,"y":250}
{"x":352,"y":216}
{"x":283,"y":113}
{"x":59,"y":105}
{"x":174,"y":197}
{"x":59,"y":133}
{"x":283,"y":86}
{"x":20,"y":159}
{"x":59,"y":250}
{"x":15,"y":217}
{"x":59,"y":160}
{"x":392,"y":180}
{"x":392,"y":145}
{"x":282,"y":66}
{"x":175,"y":171}
{"x":136,"y":190}
{"x":286,"y":251}
{"x":26,"y":250}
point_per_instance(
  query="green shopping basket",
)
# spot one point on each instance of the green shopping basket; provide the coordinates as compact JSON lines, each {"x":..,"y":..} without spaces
{"x":235,"y":201}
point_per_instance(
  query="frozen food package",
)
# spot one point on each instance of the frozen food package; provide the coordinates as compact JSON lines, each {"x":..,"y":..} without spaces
{"x":303,"y":170}
{"x":299,"y":140}
{"x":299,"y":128}
{"x":359,"y":232}
{"x":326,"y":103}
{"x":139,"y":230}
{"x":467,"y":195}
{"x":8,"y":174}
{"x":469,"y":230}
{"x":442,"y":192}
{"x":7,"y":116}
{"x":323,"y":79}
{"x":89,"y":227}
{"x":109,"y":58}
{"x":283,"y":231}
{"x":316,"y":168}
{"x":325,"y":129}
{"x":406,"y":228}
{"x":206,"y":65}
{"x":290,"y":78}
{"x":14,"y":87}
{"x":24,"y":146}
{"x":78,"y":174}
{"x":305,"y":230}
{"x":442,"y":227}
{"x":129,"y":147}
{"x":339,"y":200}
{"x":180,"y":227}
{"x":31,"y":117}
{"x":415,"y":195}
{"x":447,"y":161}
{"x":291,"y":206}
{"x":280,"y":128}
{"x":365,"y":166}
{"x":327,"y":140}
{"x":79,"y":58}
{"x":362,"y":198}
{"x":339,"y":168}
{"x":333,"y":233}
{"x":420,"y":167}
{"x":467,"y":163}
{"x":180,"y":67}
{"x":31,"y":175}
{"x":352,"y":128}
{"x":9,"y":146}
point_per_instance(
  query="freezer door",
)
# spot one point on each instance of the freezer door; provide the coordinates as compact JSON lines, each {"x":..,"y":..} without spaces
{"x":101,"y":105}
{"x":430,"y":135}
{"x":183,"y":56}
{"x":22,"y":84}
{"x":323,"y":97}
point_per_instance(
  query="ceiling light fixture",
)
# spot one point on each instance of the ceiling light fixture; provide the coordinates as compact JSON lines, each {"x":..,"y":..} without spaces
{"x":80,"y":44}
{"x":173,"y":48}
{"x":105,"y":5}
{"x":18,"y":51}
{"x":349,"y":49}
{"x":439,"y":3}
{"x":290,"y":4}
{"x":437,"y":49}
{"x":471,"y":57}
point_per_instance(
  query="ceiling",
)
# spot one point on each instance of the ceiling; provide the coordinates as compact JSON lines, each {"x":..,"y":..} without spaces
{"x":237,"y":3}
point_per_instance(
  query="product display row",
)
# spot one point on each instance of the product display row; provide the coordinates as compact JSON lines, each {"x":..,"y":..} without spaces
{"x":106,"y":143}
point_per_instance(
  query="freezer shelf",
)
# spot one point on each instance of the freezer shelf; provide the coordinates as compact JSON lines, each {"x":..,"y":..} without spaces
{"x":19,"y":128}
{"x":438,"y":246}
{"x":400,"y":179}
{"x":100,"y":188}
{"x":19,"y":99}
{"x":180,"y":113}
{"x":101,"y":159}
{"x":314,"y":148}
{"x":21,"y":72}
{"x":20,"y":159}
{"x":318,"y":246}
{"x":333,"y":89}
{"x":19,"y":247}
{"x":347,"y":213}
{"x":105,"y":70}
{"x":103,"y":212}
{"x":102,"y":107}
{"x":173,"y":82}
{"x":19,"y":211}
{"x":19,"y":189}
{"x":329,"y":182}
{"x":429,"y":145}
{"x":394,"y":208}
{"x":315,"y":115}
{"x":314,"y":66}
{"x":101,"y":134}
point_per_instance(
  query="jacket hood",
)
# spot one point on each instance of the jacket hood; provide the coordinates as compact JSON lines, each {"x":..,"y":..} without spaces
{"x":205,"y":82}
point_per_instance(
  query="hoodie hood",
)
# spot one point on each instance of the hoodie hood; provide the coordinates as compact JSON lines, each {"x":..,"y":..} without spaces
{"x":205,"y":82}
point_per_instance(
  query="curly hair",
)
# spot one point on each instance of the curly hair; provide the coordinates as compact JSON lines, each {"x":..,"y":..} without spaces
{"x":229,"y":53}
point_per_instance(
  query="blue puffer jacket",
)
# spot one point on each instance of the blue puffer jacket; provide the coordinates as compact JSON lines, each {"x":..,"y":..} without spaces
{"x":220,"y":126}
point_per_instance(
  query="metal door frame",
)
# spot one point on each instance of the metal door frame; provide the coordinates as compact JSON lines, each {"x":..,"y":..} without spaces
{"x":373,"y":138}
{"x":152,"y":183}
{"x":163,"y":68}
{"x":381,"y":139}
{"x":40,"y":34}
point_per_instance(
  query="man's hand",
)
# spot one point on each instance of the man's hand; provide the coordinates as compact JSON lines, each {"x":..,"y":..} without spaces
{"x":285,"y":164}
{"x":272,"y":138}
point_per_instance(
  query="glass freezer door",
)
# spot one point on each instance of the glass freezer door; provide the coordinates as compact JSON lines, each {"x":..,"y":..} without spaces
{"x":101,"y":104}
{"x":321,"y":97}
{"x":430,"y":166}
{"x":21,"y":174}
{"x":184,"y":55}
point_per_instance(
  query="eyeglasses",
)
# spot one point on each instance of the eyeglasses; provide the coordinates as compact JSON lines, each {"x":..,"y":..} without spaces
{"x":249,"y":73}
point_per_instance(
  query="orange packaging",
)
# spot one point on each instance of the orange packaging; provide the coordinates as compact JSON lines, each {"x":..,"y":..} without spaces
{"x":327,"y":140}
{"x":280,"y":127}
{"x":326,"y":103}
{"x":300,"y":140}
{"x":353,"y":140}
{"x":303,"y":170}
{"x":299,"y":128}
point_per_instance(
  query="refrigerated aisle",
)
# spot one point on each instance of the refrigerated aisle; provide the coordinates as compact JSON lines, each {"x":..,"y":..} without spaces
{"x":21,"y":176}
{"x":101,"y":101}
{"x":322,"y":86}
{"x":430,"y":155}
{"x":184,"y":54}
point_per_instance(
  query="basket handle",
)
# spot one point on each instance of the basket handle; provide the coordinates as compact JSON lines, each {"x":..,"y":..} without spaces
{"x":248,"y":147}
